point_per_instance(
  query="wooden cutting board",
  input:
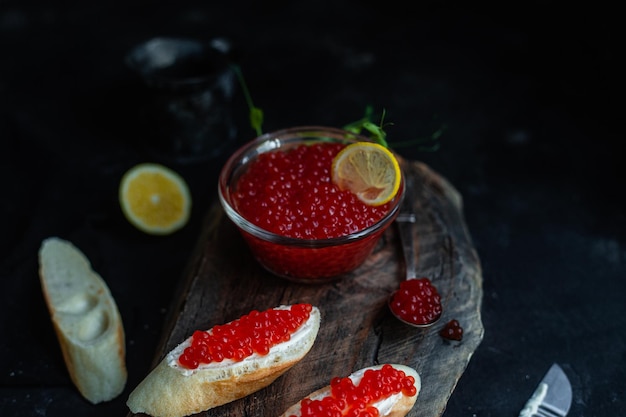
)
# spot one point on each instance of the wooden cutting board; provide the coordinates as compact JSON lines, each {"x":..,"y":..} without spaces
{"x":224,"y":282}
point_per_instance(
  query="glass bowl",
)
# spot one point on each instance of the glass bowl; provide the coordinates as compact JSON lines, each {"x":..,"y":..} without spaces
{"x":316,"y":260}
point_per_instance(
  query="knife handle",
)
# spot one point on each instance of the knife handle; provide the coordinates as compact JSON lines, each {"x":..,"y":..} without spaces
{"x":531,"y":408}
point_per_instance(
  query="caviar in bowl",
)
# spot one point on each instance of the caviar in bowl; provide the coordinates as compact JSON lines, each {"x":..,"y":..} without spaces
{"x":277,"y":189}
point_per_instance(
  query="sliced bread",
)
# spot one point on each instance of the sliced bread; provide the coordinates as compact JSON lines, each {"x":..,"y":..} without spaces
{"x":86,"y":320}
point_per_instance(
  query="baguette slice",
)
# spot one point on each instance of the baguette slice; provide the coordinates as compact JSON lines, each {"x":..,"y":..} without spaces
{"x":86,"y":320}
{"x":395,"y":405}
{"x":171,"y":390}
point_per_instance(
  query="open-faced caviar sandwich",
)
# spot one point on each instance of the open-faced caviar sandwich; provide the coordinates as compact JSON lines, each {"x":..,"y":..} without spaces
{"x":388,"y":390}
{"x":227,"y":362}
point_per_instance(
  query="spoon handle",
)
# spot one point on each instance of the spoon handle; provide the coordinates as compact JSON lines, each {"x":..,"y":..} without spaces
{"x":405,"y":221}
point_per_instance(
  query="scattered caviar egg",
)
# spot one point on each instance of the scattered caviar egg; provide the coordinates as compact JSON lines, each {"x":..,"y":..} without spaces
{"x":452,"y":330}
{"x":255,"y":332}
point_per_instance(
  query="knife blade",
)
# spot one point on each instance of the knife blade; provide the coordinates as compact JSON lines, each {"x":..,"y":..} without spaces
{"x":552,"y":397}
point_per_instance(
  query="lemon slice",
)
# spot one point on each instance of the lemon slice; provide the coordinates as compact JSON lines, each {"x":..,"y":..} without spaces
{"x":369,"y":170}
{"x":155,"y":199}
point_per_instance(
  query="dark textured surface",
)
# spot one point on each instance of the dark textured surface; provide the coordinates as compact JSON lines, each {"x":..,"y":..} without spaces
{"x":531,"y":97}
{"x":358,"y":329}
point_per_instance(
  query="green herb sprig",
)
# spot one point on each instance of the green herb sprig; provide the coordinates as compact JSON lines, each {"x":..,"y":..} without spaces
{"x":256,"y":114}
{"x":375,"y":131}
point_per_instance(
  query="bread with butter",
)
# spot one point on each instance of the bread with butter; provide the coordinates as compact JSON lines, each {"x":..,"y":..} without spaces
{"x":171,"y":390}
{"x":392,"y":405}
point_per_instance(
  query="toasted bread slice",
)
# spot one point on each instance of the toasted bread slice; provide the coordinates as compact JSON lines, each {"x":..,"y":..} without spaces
{"x":86,"y":320}
{"x":394,"y":405}
{"x":171,"y":390}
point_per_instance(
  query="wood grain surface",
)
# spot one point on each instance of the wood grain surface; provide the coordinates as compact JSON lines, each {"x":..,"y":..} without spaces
{"x":223,"y":282}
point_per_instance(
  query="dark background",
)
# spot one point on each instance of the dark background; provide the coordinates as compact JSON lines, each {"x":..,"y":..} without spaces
{"x":531,"y":97}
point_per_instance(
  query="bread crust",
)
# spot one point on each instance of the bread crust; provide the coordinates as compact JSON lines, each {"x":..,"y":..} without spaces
{"x":169,"y":391}
{"x":86,"y":320}
{"x":400,"y":408}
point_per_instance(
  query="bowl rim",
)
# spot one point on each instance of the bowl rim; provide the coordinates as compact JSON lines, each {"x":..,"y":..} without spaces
{"x":273,"y":140}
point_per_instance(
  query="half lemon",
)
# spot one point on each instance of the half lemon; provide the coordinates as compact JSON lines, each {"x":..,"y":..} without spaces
{"x":155,"y":199}
{"x":369,"y":170}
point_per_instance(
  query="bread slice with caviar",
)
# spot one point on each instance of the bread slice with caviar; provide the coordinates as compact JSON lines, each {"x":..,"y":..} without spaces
{"x":86,"y":320}
{"x":227,"y":362}
{"x":388,"y":390}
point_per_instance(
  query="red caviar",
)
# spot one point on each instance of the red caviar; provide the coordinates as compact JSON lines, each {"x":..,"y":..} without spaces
{"x":417,"y":301}
{"x":255,"y":332}
{"x":452,"y":330}
{"x":291,"y":193}
{"x":316,"y":227}
{"x":348,"y":399}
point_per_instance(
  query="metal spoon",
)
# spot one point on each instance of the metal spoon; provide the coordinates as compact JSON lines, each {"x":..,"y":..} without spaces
{"x":405,"y":221}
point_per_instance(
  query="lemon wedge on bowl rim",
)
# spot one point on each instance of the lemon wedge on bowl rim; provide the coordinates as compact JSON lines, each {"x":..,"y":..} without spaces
{"x":369,"y":170}
{"x":155,"y":199}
